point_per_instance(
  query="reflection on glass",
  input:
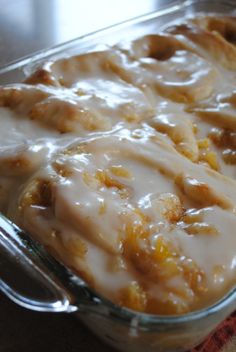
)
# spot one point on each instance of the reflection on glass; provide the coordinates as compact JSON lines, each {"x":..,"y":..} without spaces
{"x":27,"y":26}
{"x":76,"y":18}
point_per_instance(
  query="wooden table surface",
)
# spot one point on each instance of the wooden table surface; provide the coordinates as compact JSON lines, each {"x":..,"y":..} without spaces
{"x":22,"y":330}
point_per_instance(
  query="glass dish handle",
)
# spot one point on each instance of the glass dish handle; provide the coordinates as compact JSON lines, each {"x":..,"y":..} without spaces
{"x":25,"y":276}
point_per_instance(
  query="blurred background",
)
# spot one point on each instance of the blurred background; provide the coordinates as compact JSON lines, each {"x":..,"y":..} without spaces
{"x":27,"y":26}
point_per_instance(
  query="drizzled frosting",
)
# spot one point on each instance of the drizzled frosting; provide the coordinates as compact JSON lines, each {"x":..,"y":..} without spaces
{"x":122,"y":163}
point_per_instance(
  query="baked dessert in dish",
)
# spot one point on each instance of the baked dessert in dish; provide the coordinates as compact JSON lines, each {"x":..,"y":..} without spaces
{"x":122,"y":163}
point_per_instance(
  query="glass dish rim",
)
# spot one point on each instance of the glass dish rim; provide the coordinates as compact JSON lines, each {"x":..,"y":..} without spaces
{"x":126,"y":315}
{"x":123,"y":314}
{"x":39,"y":55}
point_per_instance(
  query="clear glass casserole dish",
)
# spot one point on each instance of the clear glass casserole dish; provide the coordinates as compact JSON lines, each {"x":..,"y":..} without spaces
{"x":53,"y":288}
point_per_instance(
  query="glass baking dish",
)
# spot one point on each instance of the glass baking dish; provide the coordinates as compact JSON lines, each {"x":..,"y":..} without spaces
{"x":42,"y":284}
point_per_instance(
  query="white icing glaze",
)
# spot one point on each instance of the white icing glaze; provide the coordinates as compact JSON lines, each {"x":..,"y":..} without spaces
{"x":110,"y":159}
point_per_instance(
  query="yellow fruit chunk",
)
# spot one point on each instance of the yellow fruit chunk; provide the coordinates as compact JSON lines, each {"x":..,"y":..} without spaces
{"x":169,"y":268}
{"x":90,"y":180}
{"x":211,"y":159}
{"x":229,"y":156}
{"x":76,"y":247}
{"x":133,"y":297}
{"x":143,"y":217}
{"x":203,"y":143}
{"x":120,"y":171}
{"x":192,"y":216}
{"x":171,"y":207}
{"x":161,"y":251}
{"x":166,"y":306}
{"x":103,"y":207}
{"x":62,"y":170}
{"x":195,"y":128}
{"x":107,"y":180}
{"x":78,"y":149}
{"x":216,"y":135}
{"x":133,"y":233}
{"x":39,"y":192}
{"x":194,"y":276}
{"x":201,"y":228}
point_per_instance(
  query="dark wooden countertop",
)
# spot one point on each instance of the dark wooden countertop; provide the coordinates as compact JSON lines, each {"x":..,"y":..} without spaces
{"x":22,"y":330}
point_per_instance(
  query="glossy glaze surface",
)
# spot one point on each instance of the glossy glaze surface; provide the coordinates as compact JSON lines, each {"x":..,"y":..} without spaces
{"x":122,"y":162}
